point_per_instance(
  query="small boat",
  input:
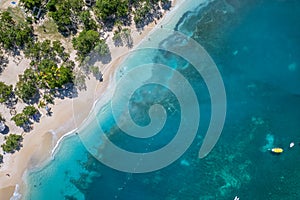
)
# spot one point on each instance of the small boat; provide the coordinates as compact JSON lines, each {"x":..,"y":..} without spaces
{"x":277,"y":150}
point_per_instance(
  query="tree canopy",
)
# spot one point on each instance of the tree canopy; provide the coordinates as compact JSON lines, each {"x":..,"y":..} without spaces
{"x":51,"y":76}
{"x":20,"y":119}
{"x":111,"y":9}
{"x":30,"y":111}
{"x":13,"y":34}
{"x":86,"y":42}
{"x":26,"y":87}
{"x":30,"y":4}
{"x":5,"y":92}
{"x":12,"y":143}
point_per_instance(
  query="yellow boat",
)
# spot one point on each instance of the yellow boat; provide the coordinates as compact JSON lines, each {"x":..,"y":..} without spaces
{"x":277,"y":150}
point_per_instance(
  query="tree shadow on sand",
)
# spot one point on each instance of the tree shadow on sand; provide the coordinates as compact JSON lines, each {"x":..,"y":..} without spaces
{"x":95,"y":57}
{"x":68,"y":91}
{"x":5,"y":131}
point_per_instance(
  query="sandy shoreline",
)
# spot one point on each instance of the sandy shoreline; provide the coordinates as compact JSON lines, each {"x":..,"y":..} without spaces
{"x":39,"y":143}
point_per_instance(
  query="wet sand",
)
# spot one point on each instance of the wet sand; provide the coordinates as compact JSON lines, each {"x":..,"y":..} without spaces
{"x":39,"y":143}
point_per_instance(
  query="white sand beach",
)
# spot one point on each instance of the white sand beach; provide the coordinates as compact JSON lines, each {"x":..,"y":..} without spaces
{"x":39,"y":143}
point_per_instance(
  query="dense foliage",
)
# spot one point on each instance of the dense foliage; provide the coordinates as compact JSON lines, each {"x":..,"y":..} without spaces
{"x":20,"y":119}
{"x":46,"y":50}
{"x":30,"y":4}
{"x":5,"y":92}
{"x":46,"y":73}
{"x":12,"y":34}
{"x":112,"y":9}
{"x":123,"y":37}
{"x":12,"y":143}
{"x":87,"y":20}
{"x":65,"y":14}
{"x":85,"y":42}
{"x":50,"y":76}
{"x":30,"y":111}
{"x":26,"y":87}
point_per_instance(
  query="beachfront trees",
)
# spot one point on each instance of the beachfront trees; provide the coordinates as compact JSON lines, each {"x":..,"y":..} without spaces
{"x":30,"y":4}
{"x":12,"y":143}
{"x":45,"y":50}
{"x":62,"y":17}
{"x":88,"y":22}
{"x":51,"y":76}
{"x":111,"y":9}
{"x":5,"y":92}
{"x":65,"y":13}
{"x":26,"y":88}
{"x":60,"y":50}
{"x":29,"y":111}
{"x":123,"y":36}
{"x":20,"y":119}
{"x":102,"y":48}
{"x":85,"y":43}
{"x":13,"y":34}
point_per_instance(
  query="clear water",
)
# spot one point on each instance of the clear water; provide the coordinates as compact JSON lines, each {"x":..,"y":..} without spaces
{"x":256,"y":45}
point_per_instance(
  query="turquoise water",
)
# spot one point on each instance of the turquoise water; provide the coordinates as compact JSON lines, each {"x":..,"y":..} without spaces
{"x":256,"y":46}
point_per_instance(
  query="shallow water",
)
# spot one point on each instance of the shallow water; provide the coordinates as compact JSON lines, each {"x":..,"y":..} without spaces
{"x":255,"y":45}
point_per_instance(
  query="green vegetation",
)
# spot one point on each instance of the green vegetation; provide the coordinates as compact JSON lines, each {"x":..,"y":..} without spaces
{"x":46,"y":50}
{"x":45,"y":72}
{"x":1,"y":158}
{"x":26,"y":88}
{"x":48,"y":98}
{"x":112,"y":9}
{"x":51,"y":70}
{"x":85,"y":42}
{"x":50,"y":76}
{"x":3,"y":61}
{"x":88,"y":22}
{"x":65,"y":13}
{"x":29,"y":111}
{"x":14,"y":35}
{"x":20,"y":119}
{"x":47,"y":75}
{"x":102,"y":48}
{"x":5,"y":92}
{"x":30,"y":4}
{"x":12,"y":143}
{"x":123,"y":36}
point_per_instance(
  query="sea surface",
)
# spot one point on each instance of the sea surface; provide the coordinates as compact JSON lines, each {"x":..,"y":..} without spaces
{"x":256,"y":47}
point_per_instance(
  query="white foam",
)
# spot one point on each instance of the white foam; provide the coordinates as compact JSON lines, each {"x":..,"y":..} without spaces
{"x":16,"y":195}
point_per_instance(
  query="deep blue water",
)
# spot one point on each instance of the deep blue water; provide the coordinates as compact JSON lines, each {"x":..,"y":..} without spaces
{"x":256,"y":46}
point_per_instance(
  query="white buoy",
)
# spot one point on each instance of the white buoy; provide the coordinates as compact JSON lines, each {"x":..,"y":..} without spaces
{"x":292,"y":144}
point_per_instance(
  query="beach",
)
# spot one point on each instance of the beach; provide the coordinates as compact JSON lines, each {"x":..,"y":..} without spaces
{"x":255,"y":46}
{"x":38,"y":144}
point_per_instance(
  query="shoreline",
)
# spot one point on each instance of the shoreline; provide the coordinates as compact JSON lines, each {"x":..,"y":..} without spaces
{"x":44,"y":140}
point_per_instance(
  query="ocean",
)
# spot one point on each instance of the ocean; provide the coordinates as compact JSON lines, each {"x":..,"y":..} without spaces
{"x":255,"y":45}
